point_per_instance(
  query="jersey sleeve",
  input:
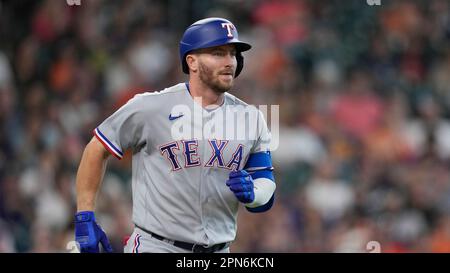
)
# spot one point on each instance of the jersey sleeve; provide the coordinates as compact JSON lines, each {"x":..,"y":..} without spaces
{"x":262,"y":143}
{"x":124,"y":129}
{"x":259,"y":162}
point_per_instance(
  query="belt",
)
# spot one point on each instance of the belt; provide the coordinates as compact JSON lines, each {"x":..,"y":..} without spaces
{"x":187,"y":246}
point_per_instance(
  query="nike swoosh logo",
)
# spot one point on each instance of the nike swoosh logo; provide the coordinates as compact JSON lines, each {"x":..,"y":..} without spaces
{"x":172,"y":117}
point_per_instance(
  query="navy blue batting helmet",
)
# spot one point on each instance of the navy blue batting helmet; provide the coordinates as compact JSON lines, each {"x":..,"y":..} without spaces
{"x":212,"y":32}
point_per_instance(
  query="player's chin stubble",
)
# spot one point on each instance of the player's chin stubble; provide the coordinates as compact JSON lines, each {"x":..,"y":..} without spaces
{"x":213,"y":82}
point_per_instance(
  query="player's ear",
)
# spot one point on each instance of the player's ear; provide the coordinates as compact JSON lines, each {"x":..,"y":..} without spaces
{"x":192,"y":62}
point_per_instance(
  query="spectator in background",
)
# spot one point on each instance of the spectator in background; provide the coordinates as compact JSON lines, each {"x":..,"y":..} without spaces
{"x":430,"y":133}
{"x":357,"y":109}
{"x":327,"y":194}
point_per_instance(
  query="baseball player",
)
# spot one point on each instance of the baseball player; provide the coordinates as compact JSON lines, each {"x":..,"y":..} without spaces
{"x":186,"y":191}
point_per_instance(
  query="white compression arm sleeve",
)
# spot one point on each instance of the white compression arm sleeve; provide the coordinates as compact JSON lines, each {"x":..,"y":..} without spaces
{"x":264,"y":189}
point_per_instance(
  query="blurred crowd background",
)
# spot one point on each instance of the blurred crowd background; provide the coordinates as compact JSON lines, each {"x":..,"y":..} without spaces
{"x":364,"y":95}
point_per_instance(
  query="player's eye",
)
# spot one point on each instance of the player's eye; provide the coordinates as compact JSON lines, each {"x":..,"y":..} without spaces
{"x":218,"y":53}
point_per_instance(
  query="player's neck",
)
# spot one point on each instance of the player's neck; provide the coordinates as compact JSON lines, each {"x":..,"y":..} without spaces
{"x":207,"y":95}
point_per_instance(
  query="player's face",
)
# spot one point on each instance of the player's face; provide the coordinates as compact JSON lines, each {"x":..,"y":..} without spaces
{"x":216,"y":66}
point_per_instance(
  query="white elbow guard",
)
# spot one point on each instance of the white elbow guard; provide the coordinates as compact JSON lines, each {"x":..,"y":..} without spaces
{"x":264,"y":189}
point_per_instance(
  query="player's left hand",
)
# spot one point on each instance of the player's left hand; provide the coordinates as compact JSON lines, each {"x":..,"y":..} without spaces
{"x":241,"y":184}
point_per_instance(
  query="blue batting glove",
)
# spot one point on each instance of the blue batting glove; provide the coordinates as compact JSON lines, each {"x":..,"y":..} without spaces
{"x":241,"y":184}
{"x":88,"y":233}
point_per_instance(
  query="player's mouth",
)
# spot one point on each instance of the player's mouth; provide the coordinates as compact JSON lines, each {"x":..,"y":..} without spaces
{"x":227,"y":75}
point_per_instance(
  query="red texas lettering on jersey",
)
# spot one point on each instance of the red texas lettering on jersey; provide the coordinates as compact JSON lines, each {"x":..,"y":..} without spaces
{"x":191,"y":159}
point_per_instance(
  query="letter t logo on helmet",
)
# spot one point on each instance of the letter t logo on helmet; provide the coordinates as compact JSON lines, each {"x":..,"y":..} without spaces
{"x":229,"y":27}
{"x":212,"y":32}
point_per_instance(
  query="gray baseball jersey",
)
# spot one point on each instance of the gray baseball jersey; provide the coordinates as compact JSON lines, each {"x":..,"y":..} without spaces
{"x":182,"y":156}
